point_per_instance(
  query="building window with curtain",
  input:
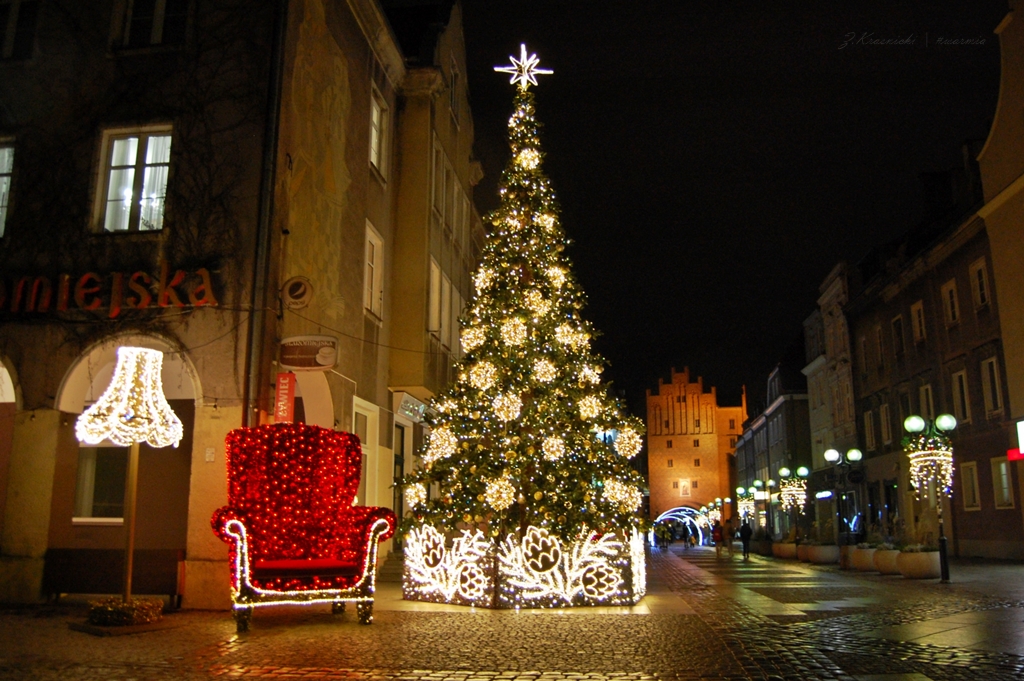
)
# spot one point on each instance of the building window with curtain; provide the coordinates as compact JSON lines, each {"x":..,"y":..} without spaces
{"x":133,"y":180}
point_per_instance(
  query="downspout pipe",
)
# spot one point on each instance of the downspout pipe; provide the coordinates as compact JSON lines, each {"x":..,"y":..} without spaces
{"x":261,"y":262}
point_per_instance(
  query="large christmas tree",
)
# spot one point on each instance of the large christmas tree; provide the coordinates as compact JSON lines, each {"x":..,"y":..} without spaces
{"x":527,"y":435}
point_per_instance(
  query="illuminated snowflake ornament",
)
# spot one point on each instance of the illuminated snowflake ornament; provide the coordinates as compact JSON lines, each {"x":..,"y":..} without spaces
{"x":628,"y":443}
{"x":544,"y":371}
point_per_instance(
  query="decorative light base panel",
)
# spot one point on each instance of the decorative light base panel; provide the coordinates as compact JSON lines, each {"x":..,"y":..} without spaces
{"x":538,"y":570}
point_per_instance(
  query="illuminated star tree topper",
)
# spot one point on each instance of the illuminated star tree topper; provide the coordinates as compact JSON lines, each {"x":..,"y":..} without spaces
{"x":524,"y":70}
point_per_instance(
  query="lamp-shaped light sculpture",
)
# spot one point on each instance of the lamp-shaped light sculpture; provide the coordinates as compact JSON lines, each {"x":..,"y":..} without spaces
{"x":930,"y":452}
{"x":132,"y":410}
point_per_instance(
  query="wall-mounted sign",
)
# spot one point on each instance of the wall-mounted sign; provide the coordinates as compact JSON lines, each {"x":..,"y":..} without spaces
{"x":308,"y":353}
{"x":284,"y":398}
{"x":113,"y":291}
{"x":410,"y":407}
{"x":296,"y":293}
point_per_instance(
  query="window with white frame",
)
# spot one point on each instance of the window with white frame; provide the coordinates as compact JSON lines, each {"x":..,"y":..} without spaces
{"x":869,"y":429}
{"x":133,"y":184}
{"x":378,"y":131}
{"x":950,"y":304}
{"x":153,"y":22}
{"x":969,"y":486}
{"x":17,"y":28}
{"x":990,"y":386}
{"x":897,"y":335}
{"x":373,"y":283}
{"x":446,"y":310}
{"x":1002,"y":487}
{"x":99,"y":492}
{"x":917,"y":321}
{"x":924,"y":395}
{"x":886,"y":423}
{"x":979,"y":283}
{"x":434,"y":302}
{"x":961,"y":398}
{"x":6,"y":172}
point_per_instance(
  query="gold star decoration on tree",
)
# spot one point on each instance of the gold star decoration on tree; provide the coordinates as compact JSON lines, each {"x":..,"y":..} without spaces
{"x":524,"y":70}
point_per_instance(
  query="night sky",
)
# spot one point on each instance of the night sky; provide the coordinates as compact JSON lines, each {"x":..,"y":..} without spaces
{"x":715,"y":160}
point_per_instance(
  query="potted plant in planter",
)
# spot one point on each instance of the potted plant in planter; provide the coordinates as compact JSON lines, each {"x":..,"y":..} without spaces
{"x":862,"y":558}
{"x":885,"y":559}
{"x":786,"y":548}
{"x":824,"y":551}
{"x":921,"y":559}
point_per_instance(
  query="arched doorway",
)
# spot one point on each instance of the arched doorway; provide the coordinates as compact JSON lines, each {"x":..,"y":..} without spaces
{"x":693,"y":519}
{"x":8,"y":408}
{"x":86,"y":535}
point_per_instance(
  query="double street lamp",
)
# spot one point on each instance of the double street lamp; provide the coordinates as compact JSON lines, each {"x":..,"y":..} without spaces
{"x":793,"y":490}
{"x":931,"y":461}
{"x":845,"y":462}
{"x":745,"y":505}
{"x":767,"y":495}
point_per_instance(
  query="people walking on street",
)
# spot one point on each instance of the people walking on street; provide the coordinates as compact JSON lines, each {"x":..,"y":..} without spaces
{"x":745,"y":534}
{"x":730,"y":533}
{"x":716,"y":536}
{"x":686,"y":536}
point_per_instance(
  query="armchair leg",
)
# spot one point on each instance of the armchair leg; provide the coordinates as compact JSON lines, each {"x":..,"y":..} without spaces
{"x":243,"y":617}
{"x":365,"y":612}
{"x":338,"y":607}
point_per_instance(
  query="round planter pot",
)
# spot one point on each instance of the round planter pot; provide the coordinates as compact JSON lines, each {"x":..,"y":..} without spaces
{"x":823,"y":555}
{"x":780,"y":550}
{"x":919,"y":565}
{"x":801,"y":552}
{"x":863,"y":559}
{"x":885,"y":561}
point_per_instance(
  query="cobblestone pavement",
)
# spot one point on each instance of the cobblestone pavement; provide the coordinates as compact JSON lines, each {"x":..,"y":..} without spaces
{"x":705,"y":618}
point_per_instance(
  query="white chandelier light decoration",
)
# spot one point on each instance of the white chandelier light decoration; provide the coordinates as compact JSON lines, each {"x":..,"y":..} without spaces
{"x":536,"y":570}
{"x":793,"y":492}
{"x":133,"y":408}
{"x":927,"y":464}
{"x":930,"y":452}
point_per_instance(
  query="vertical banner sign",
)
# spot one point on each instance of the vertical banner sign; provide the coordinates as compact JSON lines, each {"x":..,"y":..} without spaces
{"x":284,"y":399}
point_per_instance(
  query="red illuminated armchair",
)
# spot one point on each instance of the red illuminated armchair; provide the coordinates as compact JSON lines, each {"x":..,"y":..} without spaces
{"x":294,"y":534}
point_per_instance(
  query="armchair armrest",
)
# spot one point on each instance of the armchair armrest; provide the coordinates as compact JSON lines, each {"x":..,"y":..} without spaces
{"x":220,"y":519}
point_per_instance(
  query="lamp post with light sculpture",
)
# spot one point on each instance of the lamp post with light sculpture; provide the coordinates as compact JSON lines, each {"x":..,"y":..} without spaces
{"x":793,"y":490}
{"x":930,"y":452}
{"x":846,"y":474}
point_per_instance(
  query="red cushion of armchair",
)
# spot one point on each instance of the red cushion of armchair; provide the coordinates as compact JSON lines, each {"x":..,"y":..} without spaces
{"x":294,"y":534}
